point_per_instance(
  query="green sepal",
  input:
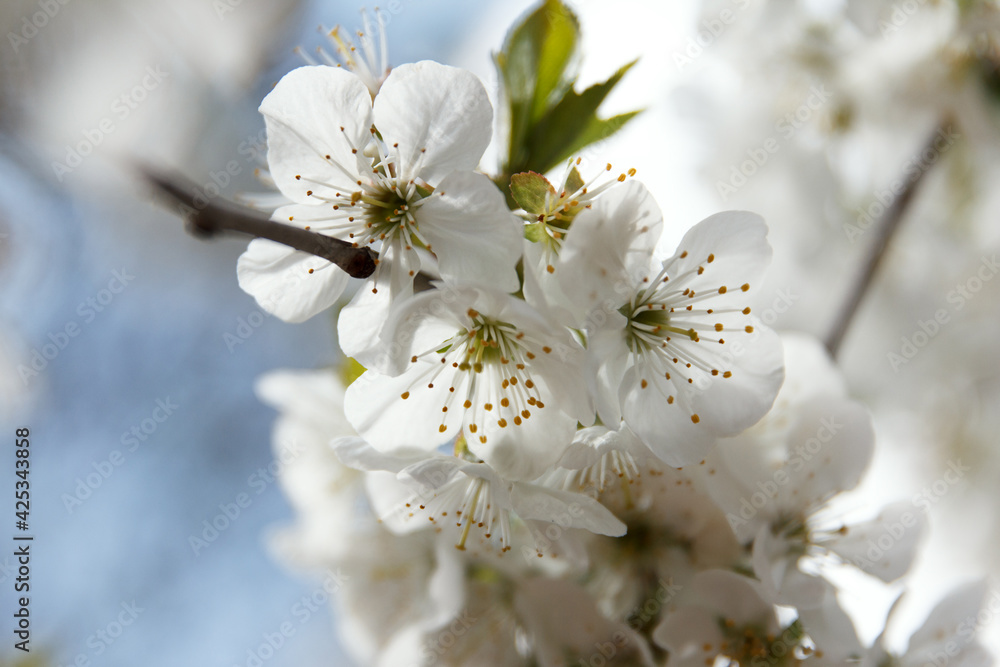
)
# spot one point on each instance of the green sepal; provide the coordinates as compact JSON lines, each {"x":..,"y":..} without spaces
{"x":529,"y":191}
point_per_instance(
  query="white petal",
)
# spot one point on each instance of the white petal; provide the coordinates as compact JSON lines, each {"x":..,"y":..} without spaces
{"x":361,"y":322}
{"x":831,"y":628}
{"x":608,"y":357}
{"x":278,"y":278}
{"x":568,"y":510}
{"x":476,"y":238}
{"x":312,"y":396}
{"x":609,"y":246}
{"x":304,"y":115}
{"x":809,"y":370}
{"x":737,"y":242}
{"x":730,"y":405}
{"x":666,"y":428}
{"x":886,"y":545}
{"x":422,"y":322}
{"x":591,"y":444}
{"x":433,"y":471}
{"x":358,"y":454}
{"x":685,"y":632}
{"x":830,"y":446}
{"x":527,"y":451}
{"x":439,"y":116}
{"x":959,"y":606}
{"x":375,"y":406}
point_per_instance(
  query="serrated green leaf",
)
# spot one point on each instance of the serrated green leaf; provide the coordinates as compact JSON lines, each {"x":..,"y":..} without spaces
{"x":529,"y":190}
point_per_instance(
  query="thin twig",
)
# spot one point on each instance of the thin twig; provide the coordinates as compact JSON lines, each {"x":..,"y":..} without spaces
{"x":208,"y":219}
{"x":885,"y":230}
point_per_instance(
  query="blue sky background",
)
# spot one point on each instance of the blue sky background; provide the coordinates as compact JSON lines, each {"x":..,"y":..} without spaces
{"x":160,"y":338}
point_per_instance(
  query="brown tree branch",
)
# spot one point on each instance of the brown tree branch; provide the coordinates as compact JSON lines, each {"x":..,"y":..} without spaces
{"x":885,"y":229}
{"x":208,"y":218}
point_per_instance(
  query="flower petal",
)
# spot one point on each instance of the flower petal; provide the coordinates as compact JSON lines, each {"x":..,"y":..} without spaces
{"x":567,"y":509}
{"x":476,"y":238}
{"x":312,"y":113}
{"x":731,"y":247}
{"x":278,"y":278}
{"x":728,"y":405}
{"x":886,"y":545}
{"x":609,"y":246}
{"x":437,"y":118}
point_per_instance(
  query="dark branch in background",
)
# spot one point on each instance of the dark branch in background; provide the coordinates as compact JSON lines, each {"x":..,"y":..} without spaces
{"x":885,"y":229}
{"x":206,"y":220}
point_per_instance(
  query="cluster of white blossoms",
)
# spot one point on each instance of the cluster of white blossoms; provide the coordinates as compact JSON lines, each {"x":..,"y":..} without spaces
{"x":555,"y":446}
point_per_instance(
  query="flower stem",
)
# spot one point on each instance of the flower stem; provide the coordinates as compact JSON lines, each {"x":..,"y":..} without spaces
{"x":885,"y":229}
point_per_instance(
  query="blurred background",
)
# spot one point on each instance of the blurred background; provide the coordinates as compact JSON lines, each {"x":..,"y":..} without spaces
{"x":128,"y":349}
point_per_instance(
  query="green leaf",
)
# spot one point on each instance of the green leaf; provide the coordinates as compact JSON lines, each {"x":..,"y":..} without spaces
{"x":596,"y":131}
{"x":529,"y":190}
{"x":573,"y":124}
{"x":538,"y":64}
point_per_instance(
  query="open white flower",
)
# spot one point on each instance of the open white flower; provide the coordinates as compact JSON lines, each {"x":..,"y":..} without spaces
{"x":775,"y":482}
{"x":675,"y":351}
{"x":395,"y":174}
{"x":478,"y":363}
{"x":430,"y":489}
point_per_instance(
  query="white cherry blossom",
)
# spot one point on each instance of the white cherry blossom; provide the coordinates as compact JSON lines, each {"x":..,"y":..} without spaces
{"x":674,"y":350}
{"x":775,"y":482}
{"x":459,"y":493}
{"x":396,"y":174}
{"x":477,"y":363}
